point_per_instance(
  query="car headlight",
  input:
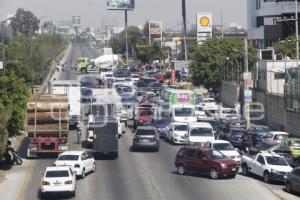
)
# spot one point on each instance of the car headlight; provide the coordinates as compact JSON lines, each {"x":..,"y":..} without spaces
{"x":274,"y":171}
{"x":223,"y":166}
{"x":238,"y":156}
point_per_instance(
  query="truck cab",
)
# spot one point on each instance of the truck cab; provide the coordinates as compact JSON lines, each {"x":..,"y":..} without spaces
{"x":269,"y":166}
{"x":183,"y":113}
{"x":200,"y":133}
{"x":82,"y":64}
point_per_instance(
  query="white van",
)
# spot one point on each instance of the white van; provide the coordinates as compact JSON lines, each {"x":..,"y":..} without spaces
{"x":200,"y":133}
{"x":183,"y":113}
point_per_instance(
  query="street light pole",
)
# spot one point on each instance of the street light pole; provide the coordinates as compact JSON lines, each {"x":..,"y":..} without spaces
{"x":184,"y":29}
{"x":246,"y":88}
{"x":126,"y":36}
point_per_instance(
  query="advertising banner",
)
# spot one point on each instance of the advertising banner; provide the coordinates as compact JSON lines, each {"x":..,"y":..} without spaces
{"x":155,"y":28}
{"x":183,"y":98}
{"x":120,"y":4}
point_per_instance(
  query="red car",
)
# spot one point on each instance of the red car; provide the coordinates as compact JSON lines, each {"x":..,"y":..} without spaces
{"x":206,"y":161}
{"x":143,"y":117}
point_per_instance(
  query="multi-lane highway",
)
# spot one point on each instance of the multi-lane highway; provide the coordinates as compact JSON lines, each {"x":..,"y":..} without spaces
{"x":143,"y":175}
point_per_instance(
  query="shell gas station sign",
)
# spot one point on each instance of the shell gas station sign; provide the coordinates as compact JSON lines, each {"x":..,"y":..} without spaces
{"x":204,"y":26}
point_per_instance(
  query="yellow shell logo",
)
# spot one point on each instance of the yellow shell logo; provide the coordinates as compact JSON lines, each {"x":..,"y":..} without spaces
{"x":204,"y":21}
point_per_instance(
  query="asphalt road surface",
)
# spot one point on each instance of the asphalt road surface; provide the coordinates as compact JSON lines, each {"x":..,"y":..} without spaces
{"x":144,"y":175}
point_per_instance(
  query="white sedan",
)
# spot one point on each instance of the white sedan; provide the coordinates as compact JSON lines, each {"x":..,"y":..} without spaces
{"x":81,"y":162}
{"x":58,"y":180}
{"x":177,"y":132}
{"x":225,"y":148}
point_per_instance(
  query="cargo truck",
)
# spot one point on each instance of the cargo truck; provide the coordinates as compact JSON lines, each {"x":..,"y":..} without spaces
{"x":47,"y":124}
{"x":103,"y":124}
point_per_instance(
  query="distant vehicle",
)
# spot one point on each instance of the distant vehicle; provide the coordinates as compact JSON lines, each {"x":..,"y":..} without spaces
{"x":258,"y":132}
{"x":104,"y":62}
{"x":183,"y":113}
{"x":155,"y":87}
{"x":146,"y":137}
{"x":82,"y":63}
{"x":200,"y":133}
{"x":199,"y":112}
{"x":177,"y":133}
{"x":210,"y":104}
{"x":224,"y":112}
{"x":144,"y":116}
{"x":292,"y":183}
{"x":206,"y":161}
{"x":294,"y":146}
{"x":235,"y":137}
{"x":135,"y":78}
{"x":58,"y":180}
{"x":269,"y":166}
{"x":161,"y":126}
{"x":276,"y":136}
{"x":230,"y":123}
{"x":81,"y":162}
{"x":214,"y":123}
{"x":225,"y":148}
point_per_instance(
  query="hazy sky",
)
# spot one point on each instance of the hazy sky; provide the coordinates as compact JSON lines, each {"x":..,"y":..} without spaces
{"x":94,"y":13}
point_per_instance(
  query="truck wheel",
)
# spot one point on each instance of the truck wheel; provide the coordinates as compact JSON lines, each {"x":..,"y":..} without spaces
{"x":245,"y":170}
{"x":213,"y":173}
{"x":266,"y":177}
{"x":84,"y":71}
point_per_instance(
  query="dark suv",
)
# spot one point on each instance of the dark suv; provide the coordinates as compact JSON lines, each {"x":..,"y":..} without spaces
{"x":206,"y":161}
{"x":145,"y":137}
{"x":293,"y":181}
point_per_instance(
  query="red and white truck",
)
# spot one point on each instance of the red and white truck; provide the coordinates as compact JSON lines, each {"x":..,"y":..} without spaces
{"x":47,"y":124}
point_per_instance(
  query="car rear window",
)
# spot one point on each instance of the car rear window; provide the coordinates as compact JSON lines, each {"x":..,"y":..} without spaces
{"x":58,"y":173}
{"x":145,"y":132}
{"x":68,"y":157}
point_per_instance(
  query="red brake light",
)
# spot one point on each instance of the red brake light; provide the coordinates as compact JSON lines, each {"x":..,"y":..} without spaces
{"x":76,"y":166}
{"x":68,"y":182}
{"x":45,"y":183}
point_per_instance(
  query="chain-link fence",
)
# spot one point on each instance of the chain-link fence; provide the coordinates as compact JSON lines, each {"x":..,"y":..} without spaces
{"x":292,"y":89}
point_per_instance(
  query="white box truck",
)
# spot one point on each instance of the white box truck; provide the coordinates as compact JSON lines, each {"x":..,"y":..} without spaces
{"x":71,"y":88}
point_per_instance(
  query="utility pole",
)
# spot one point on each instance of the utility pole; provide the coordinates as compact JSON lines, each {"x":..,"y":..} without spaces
{"x":126,"y":35}
{"x":246,"y":87}
{"x":184,"y":29}
{"x":222,"y":28}
{"x":149,"y":32}
{"x":297,"y":30}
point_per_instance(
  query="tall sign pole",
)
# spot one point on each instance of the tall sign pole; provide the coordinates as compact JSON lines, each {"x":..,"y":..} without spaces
{"x":184,"y":29}
{"x":126,"y":35}
{"x":297,"y":30}
{"x":247,"y":92}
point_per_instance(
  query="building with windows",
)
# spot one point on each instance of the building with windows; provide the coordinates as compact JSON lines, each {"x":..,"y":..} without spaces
{"x":270,"y":20}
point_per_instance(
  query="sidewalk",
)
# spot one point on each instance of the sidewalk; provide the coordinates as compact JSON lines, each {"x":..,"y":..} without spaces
{"x":15,"y":181}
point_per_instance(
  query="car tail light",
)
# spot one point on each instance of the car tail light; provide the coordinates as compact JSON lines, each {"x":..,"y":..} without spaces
{"x":68,"y":182}
{"x":45,"y":183}
{"x":76,"y":166}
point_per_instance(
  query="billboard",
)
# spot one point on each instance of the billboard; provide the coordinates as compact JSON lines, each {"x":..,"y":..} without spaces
{"x":204,"y":26}
{"x":155,"y":27}
{"x":120,"y":4}
{"x":76,"y":21}
{"x":183,"y":98}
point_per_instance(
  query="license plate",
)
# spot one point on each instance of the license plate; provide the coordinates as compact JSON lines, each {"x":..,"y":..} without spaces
{"x":233,"y":169}
{"x":48,"y":144}
{"x":57,"y":184}
{"x":144,"y":140}
{"x":285,"y":177}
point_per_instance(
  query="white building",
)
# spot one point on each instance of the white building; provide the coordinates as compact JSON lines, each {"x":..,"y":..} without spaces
{"x":265,"y":23}
{"x":271,"y":72}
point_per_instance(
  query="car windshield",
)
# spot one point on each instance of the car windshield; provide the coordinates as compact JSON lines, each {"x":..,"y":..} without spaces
{"x":180,"y":127}
{"x":215,"y":155}
{"x":145,"y":132}
{"x":229,"y":111}
{"x":135,"y":76}
{"x":295,"y":143}
{"x":145,"y":113}
{"x":57,"y":174}
{"x":183,"y":112}
{"x":198,"y":131}
{"x":223,"y":147}
{"x":276,"y":160}
{"x":199,"y":109}
{"x":68,"y":157}
{"x":236,"y":132}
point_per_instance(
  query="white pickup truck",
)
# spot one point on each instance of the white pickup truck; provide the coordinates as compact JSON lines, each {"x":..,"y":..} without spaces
{"x":269,"y":166}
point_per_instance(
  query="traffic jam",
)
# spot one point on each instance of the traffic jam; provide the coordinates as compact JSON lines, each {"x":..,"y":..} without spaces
{"x":153,"y":106}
